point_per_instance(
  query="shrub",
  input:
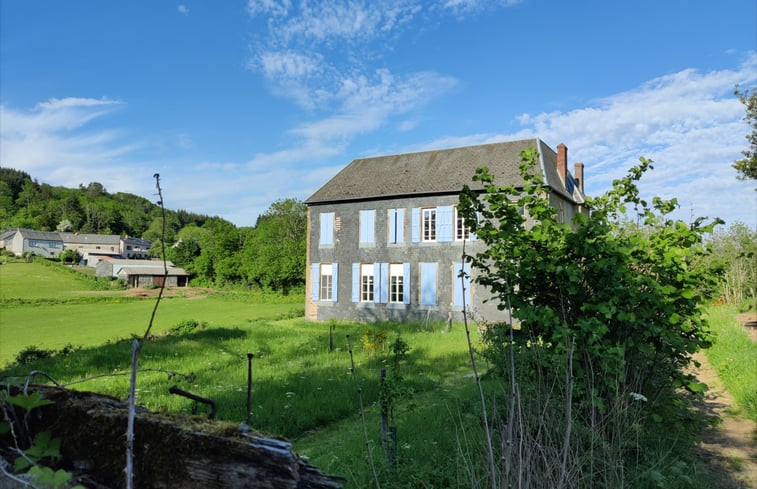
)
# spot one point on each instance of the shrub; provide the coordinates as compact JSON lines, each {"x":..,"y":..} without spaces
{"x":187,"y":326}
{"x":31,"y":354}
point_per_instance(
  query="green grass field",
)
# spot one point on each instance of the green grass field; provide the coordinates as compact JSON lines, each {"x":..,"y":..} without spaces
{"x":302,"y":389}
{"x":62,"y":310}
{"x":34,"y":281}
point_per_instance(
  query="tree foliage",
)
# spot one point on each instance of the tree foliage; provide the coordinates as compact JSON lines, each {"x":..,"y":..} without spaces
{"x":735,"y":255}
{"x":274,"y":251}
{"x":747,"y":167}
{"x":212,"y":250}
{"x":624,"y":300}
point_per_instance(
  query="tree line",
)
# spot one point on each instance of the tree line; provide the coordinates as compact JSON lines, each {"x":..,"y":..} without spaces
{"x":215,"y":252}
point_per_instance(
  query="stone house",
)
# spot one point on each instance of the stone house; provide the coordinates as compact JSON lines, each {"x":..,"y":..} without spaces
{"x":42,"y":243}
{"x":385,"y":241}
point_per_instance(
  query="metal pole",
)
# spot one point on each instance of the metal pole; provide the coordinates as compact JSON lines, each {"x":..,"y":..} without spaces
{"x":249,"y":387}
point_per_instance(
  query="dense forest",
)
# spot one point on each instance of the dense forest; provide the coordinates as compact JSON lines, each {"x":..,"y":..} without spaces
{"x":270,"y":255}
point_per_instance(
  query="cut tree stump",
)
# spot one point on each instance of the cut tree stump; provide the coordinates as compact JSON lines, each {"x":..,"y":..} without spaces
{"x":170,"y":451}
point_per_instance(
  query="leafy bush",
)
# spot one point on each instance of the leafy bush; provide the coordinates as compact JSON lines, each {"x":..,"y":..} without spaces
{"x":187,"y":326}
{"x":610,"y":309}
{"x":32,"y":353}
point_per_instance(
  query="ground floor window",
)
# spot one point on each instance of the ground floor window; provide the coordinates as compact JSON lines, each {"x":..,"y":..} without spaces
{"x":366,"y":282}
{"x":396,"y":282}
{"x":324,"y":281}
{"x":327,"y":281}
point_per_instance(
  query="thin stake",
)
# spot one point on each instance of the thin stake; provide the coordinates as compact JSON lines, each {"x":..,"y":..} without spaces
{"x":130,"y":425}
{"x":249,"y":386}
{"x":362,"y":414}
{"x":163,"y":252}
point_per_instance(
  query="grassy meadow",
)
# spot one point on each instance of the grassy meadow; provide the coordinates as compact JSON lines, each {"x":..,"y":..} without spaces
{"x":303,"y":385}
{"x":48,"y":308}
{"x":303,"y":388}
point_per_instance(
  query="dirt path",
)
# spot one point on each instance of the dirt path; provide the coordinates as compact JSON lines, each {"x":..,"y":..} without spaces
{"x":748,"y":321}
{"x":730,"y":446}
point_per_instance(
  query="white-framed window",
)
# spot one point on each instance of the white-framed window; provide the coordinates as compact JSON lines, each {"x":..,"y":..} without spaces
{"x":366,"y":282}
{"x":396,"y":282}
{"x":326,"y":282}
{"x":462,"y":232}
{"x":324,"y":279}
{"x":428,"y":224}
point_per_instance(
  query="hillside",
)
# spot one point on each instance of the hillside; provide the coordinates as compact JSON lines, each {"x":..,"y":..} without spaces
{"x":26,"y":203}
{"x":211,"y":249}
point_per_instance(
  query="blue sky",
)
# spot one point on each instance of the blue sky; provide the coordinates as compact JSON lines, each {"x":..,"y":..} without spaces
{"x":237,"y":104}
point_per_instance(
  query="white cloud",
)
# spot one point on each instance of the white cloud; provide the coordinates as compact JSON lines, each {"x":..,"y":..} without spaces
{"x":313,"y":50}
{"x":270,"y":7}
{"x":51,"y":139}
{"x":183,"y":9}
{"x":688,"y":122}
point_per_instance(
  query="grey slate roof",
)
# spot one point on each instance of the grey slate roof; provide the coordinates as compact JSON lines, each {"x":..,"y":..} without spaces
{"x":437,"y":171}
{"x":96,"y":239}
{"x":138,"y":263}
{"x":172,"y":271}
{"x":41,"y":235}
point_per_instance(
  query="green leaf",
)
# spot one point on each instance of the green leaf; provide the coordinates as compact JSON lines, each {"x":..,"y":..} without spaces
{"x":46,"y":476}
{"x":20,"y":464}
{"x":44,"y":445}
{"x":697,"y":387}
{"x":29,"y":401}
{"x":4,"y":427}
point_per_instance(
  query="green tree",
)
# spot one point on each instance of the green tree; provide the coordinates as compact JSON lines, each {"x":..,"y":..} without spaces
{"x":624,"y":301}
{"x":735,"y":253}
{"x":747,"y":167}
{"x":274,"y":251}
{"x":69,"y":256}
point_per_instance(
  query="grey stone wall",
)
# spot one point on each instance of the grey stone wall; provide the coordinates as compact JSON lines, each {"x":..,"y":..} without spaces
{"x":347,"y":250}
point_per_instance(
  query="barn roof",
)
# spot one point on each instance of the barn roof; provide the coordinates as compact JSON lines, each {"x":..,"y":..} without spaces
{"x":438,"y":172}
{"x":172,"y":271}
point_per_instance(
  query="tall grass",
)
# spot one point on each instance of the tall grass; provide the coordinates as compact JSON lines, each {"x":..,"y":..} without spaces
{"x":734,"y":356}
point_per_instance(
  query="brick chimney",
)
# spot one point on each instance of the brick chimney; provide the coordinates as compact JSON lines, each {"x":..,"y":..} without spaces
{"x":562,"y":162}
{"x":579,"y":175}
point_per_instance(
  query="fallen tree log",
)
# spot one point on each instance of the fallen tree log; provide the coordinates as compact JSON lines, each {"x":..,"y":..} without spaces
{"x":170,"y":451}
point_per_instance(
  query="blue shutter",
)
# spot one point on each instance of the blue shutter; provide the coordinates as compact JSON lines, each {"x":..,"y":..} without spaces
{"x":396,"y":225}
{"x":406,"y":283}
{"x":367,"y":226}
{"x":458,"y":285}
{"x":356,"y":282}
{"x":384,"y":283}
{"x":315,"y":281}
{"x":444,"y":216}
{"x":376,"y":278}
{"x":334,"y":280}
{"x":327,"y":228}
{"x":428,"y":284}
{"x":400,"y":226}
{"x":416,"y":224}
{"x":392,"y":225}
